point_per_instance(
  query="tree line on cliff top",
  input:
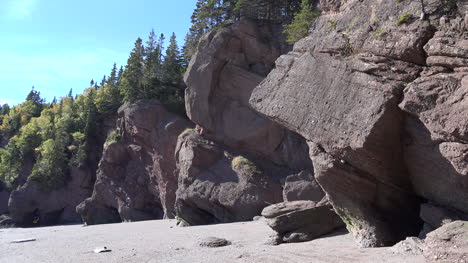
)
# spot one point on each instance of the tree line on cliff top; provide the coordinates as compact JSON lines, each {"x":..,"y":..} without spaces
{"x":296,"y":15}
{"x":43,"y":141}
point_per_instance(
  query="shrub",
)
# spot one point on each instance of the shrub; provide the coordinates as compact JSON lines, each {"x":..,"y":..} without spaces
{"x":403,"y":19}
{"x":112,"y":137}
{"x":242,"y":162}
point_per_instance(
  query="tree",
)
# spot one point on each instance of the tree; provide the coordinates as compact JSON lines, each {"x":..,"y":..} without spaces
{"x":5,"y":109}
{"x":301,"y":23}
{"x":172,"y":65}
{"x":132,"y":83}
{"x":103,"y":81}
{"x":112,"y":80}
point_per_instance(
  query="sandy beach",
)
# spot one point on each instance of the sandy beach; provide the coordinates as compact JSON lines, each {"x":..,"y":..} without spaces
{"x":163,"y":241}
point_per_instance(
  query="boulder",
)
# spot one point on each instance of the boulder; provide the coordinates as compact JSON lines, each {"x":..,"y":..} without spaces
{"x":449,"y":243}
{"x":136,"y":178}
{"x":340,"y":89}
{"x":300,"y":221}
{"x":435,"y":216}
{"x":214,"y":242}
{"x":218,"y":185}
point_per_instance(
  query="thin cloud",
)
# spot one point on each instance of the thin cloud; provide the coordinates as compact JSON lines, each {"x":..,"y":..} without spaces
{"x":19,"y":9}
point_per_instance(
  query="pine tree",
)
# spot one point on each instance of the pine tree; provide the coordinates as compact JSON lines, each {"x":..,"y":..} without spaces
{"x":299,"y":27}
{"x":112,"y":80}
{"x":132,"y":84}
{"x":119,"y":75}
{"x":172,"y":65}
{"x":103,"y":81}
{"x":152,"y":63}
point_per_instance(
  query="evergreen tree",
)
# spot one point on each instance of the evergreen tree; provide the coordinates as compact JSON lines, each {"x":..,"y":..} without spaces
{"x":103,"y":81}
{"x":112,"y":80}
{"x":172,"y":65}
{"x":119,"y":75}
{"x":5,"y":109}
{"x":301,"y":23}
{"x":132,"y":83}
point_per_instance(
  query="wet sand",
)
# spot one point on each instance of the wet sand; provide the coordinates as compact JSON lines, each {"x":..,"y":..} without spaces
{"x":163,"y":241}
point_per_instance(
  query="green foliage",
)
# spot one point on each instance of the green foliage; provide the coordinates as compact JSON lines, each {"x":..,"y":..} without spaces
{"x":301,"y":23}
{"x":112,"y":137}
{"x":50,"y":167}
{"x":186,"y":131}
{"x":10,"y":163}
{"x":149,"y":75}
{"x":54,"y":140}
{"x":404,"y":18}
{"x":331,"y":25}
{"x":378,"y":34}
{"x":450,"y":5}
{"x":240,"y":162}
{"x":78,"y":149}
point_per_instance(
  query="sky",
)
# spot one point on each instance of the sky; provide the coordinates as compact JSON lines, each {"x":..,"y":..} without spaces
{"x":57,"y":45}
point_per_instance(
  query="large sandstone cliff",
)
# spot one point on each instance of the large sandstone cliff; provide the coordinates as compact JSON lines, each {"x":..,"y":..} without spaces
{"x":237,"y":161}
{"x":381,"y":101}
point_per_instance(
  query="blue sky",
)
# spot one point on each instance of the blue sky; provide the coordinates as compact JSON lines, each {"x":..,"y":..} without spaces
{"x":56,"y":45}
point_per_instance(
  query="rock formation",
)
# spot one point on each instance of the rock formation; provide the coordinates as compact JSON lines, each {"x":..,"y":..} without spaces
{"x":218,"y":186}
{"x":136,"y":178}
{"x":227,"y":66}
{"x":300,"y":221}
{"x":32,"y":204}
{"x":340,"y":88}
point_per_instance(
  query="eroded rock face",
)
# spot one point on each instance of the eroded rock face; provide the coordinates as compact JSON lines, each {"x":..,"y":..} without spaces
{"x":229,"y":63}
{"x":32,"y":204}
{"x":436,"y":147}
{"x":340,"y":89}
{"x":300,"y":221}
{"x":136,"y":179}
{"x":218,"y":185}
{"x":302,"y":186}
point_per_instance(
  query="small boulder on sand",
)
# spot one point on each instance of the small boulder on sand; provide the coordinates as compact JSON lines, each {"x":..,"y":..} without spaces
{"x":214,"y":242}
{"x":300,"y":221}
